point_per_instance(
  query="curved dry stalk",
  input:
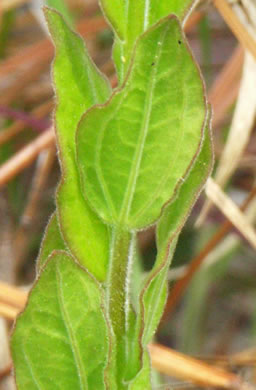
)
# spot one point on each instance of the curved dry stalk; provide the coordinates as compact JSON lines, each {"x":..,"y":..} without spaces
{"x":7,"y":273}
{"x":28,"y":154}
{"x":43,"y":50}
{"x":5,"y":371}
{"x":227,"y":245}
{"x":7,"y":382}
{"x":238,"y":28}
{"x":241,"y":17}
{"x":44,"y":164}
{"x":31,"y":74}
{"x":240,"y":131}
{"x":39,"y":112}
{"x":8,"y":312}
{"x":246,"y":12}
{"x":12,"y":296}
{"x":192,"y":20}
{"x":173,"y":363}
{"x":9,"y":4}
{"x":225,"y":88}
{"x":25,"y":156}
{"x":165,"y":360}
{"x":231,"y":211}
{"x":180,"y":286}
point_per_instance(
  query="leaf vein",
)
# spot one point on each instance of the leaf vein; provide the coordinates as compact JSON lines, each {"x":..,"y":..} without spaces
{"x":73,"y":345}
{"x":129,"y":194}
{"x":30,"y":368}
{"x":178,"y":146}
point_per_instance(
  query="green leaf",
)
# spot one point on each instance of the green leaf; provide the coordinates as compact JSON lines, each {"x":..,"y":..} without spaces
{"x":143,"y":379}
{"x":62,"y":8}
{"x":129,"y":19}
{"x":129,"y":349}
{"x":52,"y":241}
{"x":61,"y":339}
{"x":154,"y":293}
{"x":133,"y":346}
{"x":169,"y":226}
{"x":114,"y":11}
{"x":134,"y":151}
{"x":177,"y":211}
{"x":79,"y":85}
{"x":138,"y":275}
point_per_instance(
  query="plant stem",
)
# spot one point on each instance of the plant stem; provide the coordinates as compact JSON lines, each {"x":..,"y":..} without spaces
{"x":121,"y":257}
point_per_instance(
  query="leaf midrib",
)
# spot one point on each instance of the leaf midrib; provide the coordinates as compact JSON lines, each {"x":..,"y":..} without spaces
{"x":146,"y":15}
{"x":129,"y":194}
{"x":98,"y":167}
{"x":73,"y":345}
{"x":177,"y":146}
{"x":27,"y":359}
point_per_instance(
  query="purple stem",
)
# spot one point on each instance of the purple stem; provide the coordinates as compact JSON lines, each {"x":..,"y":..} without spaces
{"x":34,"y":123}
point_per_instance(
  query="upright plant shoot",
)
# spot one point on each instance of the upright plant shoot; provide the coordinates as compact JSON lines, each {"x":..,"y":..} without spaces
{"x":130,"y":157}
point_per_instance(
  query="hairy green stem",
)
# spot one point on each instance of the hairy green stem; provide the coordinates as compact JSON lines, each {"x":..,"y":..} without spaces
{"x":121,"y":257}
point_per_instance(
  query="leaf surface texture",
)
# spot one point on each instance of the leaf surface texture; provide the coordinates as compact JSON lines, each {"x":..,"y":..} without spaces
{"x":134,"y":151}
{"x":79,"y":85}
{"x":56,"y":344}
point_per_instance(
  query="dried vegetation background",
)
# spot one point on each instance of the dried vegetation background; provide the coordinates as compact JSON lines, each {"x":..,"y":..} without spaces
{"x":210,"y":316}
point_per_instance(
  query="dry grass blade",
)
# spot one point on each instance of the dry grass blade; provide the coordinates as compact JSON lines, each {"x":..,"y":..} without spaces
{"x":236,"y":25}
{"x":193,"y":19}
{"x":9,"y":4}
{"x":12,"y":300}
{"x":217,"y":254}
{"x":243,"y":358}
{"x":18,"y":126}
{"x":36,"y":58}
{"x":241,"y":128}
{"x":7,"y":382}
{"x":29,"y":153}
{"x":26,"y":156}
{"x":180,"y":286}
{"x":164,"y":360}
{"x":8,"y":312}
{"x":21,"y":241}
{"x":36,"y":52}
{"x":43,"y":50}
{"x":231,"y":211}
{"x":184,"y":367}
{"x":6,"y":371}
{"x":12,"y":296}
{"x":225,"y":89}
{"x":246,"y":12}
{"x":32,"y":74}
{"x":226,"y":246}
